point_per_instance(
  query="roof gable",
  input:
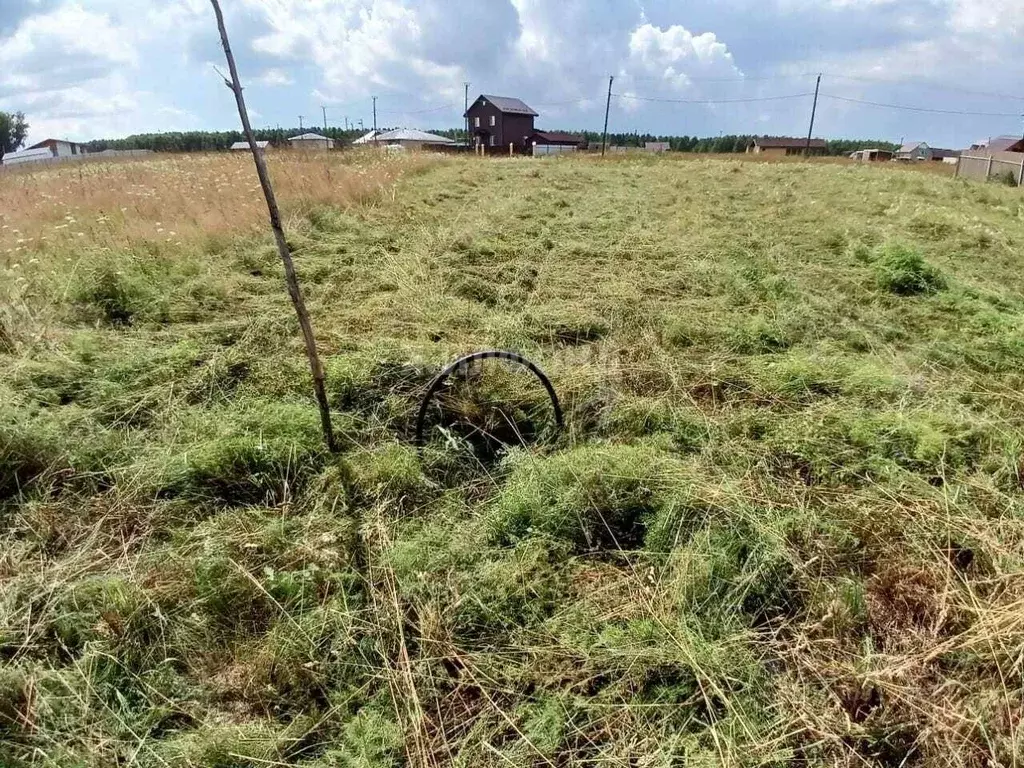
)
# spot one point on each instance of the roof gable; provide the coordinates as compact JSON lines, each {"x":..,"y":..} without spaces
{"x":308,"y":137}
{"x":505,"y":104}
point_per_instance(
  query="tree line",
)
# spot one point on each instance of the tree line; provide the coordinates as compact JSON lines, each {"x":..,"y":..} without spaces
{"x":208,"y":141}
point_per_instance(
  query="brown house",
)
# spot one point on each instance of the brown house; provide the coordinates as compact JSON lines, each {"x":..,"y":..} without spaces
{"x":497,"y":121}
{"x":783,"y":146}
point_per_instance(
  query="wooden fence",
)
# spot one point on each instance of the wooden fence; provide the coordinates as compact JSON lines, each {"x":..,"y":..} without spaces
{"x":989,"y":165}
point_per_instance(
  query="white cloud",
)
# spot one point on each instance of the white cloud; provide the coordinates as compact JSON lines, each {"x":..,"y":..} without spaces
{"x":72,"y":69}
{"x":274,"y":78}
{"x":675,"y":55}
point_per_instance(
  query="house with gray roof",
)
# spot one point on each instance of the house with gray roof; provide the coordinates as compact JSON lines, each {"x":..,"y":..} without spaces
{"x":497,"y":121}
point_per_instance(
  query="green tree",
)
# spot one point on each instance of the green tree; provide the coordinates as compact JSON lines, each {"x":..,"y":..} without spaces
{"x":13,"y":130}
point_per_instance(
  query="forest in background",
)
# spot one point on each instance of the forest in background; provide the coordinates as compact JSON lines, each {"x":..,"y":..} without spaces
{"x":206,"y":141}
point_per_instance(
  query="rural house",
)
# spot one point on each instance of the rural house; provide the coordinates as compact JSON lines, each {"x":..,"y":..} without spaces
{"x":1001,"y":144}
{"x":497,"y":121}
{"x":409,"y":138}
{"x":871,"y":155}
{"x":915,"y":150}
{"x":948,"y":156}
{"x":554,"y":142}
{"x":50,"y":149}
{"x":244,"y":145}
{"x":784,"y":146}
{"x":366,"y":138}
{"x":999,"y":157}
{"x":311,"y":141}
{"x":61,"y":147}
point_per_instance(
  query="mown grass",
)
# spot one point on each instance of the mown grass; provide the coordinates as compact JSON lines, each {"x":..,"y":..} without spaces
{"x":782,"y":525}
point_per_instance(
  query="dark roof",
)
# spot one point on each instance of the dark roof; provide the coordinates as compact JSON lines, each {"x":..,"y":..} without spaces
{"x":1006,"y":144}
{"x":784,"y":142}
{"x":940,"y":153}
{"x":555,"y":137}
{"x":508,"y":105}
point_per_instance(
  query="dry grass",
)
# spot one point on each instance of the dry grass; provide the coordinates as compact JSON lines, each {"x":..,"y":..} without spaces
{"x":175,"y":198}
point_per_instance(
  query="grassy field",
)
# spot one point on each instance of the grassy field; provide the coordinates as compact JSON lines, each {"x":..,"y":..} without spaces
{"x":783,"y":524}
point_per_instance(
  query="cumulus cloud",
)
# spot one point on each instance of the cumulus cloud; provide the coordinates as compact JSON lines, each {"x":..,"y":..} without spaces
{"x":69,"y":67}
{"x":675,"y":54}
{"x":275,"y":77}
{"x":415,"y":55}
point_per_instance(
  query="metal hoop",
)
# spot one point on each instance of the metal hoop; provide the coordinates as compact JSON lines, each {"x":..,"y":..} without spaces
{"x":499,"y":354}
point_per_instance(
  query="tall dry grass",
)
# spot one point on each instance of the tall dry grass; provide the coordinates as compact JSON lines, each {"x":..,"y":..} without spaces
{"x":174,"y":198}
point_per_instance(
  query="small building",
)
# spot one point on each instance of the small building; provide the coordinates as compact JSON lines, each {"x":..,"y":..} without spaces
{"x":656,"y":146}
{"x":311,"y":141}
{"x":409,"y":138}
{"x":497,"y":121}
{"x":948,"y":156}
{"x":554,"y":143}
{"x":240,"y":146}
{"x":914,"y":151}
{"x":40,"y":155}
{"x":61,"y":147}
{"x":872,"y":155}
{"x":366,"y":139}
{"x":784,"y":146}
{"x":1001,"y":144}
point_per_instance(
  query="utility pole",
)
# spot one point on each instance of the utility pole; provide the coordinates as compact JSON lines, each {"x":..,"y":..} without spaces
{"x":346,"y":122}
{"x":325,"y":118}
{"x":807,"y":149}
{"x":466,"y":112}
{"x":375,"y":121}
{"x":300,"y":123}
{"x":607,"y":108}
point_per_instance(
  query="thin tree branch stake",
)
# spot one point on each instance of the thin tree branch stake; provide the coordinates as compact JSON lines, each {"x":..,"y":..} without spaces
{"x":282,"y":245}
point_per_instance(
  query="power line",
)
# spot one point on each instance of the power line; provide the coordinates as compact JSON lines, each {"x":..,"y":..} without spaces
{"x":713,"y":101}
{"x":744,"y":79}
{"x":920,"y":109}
{"x":926,"y":83}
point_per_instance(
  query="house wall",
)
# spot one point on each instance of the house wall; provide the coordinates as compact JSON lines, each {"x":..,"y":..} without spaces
{"x":770,"y":151}
{"x":312,"y":144}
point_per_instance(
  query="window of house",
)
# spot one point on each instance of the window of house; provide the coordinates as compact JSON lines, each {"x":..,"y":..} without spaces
{"x":476,"y":122}
{"x":492,"y":121}
{"x":494,"y":141}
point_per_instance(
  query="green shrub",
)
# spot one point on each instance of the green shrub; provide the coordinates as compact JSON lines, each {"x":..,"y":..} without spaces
{"x":595,"y":497}
{"x":117,"y":294}
{"x":29,"y":447}
{"x":904,"y":272}
{"x":260,"y":455}
{"x":389,"y":473}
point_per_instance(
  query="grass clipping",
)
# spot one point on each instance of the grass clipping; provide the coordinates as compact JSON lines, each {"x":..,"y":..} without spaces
{"x":782,"y":526}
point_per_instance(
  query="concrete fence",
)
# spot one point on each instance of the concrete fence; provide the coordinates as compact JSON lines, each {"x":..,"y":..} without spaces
{"x":990,"y":165}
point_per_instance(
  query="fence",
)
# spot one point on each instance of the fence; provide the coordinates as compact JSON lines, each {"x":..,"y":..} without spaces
{"x":987,"y":165}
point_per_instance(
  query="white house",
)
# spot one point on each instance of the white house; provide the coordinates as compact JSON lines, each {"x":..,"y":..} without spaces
{"x":244,"y":145}
{"x":367,"y":139}
{"x":311,"y":141}
{"x":61,"y":147}
{"x":408,"y":138}
{"x":28,"y":156}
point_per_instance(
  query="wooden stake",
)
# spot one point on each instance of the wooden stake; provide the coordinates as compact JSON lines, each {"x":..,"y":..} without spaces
{"x":291,"y":279}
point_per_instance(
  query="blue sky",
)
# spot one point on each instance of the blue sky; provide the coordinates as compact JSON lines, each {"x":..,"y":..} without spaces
{"x":87,"y":69}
